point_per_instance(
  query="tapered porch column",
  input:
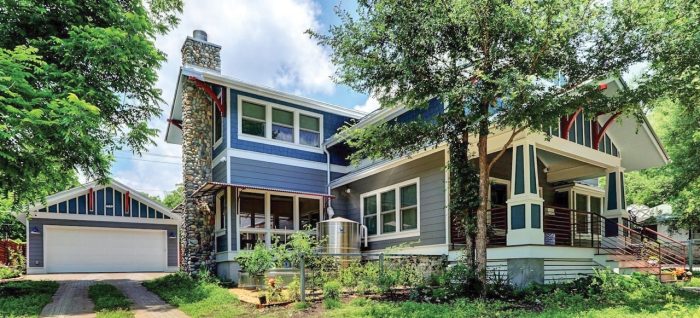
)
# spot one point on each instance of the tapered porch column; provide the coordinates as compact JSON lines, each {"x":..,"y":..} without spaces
{"x":615,"y":206}
{"x":525,"y":204}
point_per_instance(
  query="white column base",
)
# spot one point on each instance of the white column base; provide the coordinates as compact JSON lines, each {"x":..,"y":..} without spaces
{"x":525,"y":237}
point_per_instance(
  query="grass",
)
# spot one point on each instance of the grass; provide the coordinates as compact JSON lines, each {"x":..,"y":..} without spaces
{"x":109,"y":301}
{"x":197,"y":298}
{"x":25,"y":298}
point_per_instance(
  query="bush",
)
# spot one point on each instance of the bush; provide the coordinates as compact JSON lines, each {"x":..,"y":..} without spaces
{"x":331,"y":290}
{"x":257,"y":261}
{"x":331,"y":303}
{"x":292,"y":291}
{"x":9,"y":272}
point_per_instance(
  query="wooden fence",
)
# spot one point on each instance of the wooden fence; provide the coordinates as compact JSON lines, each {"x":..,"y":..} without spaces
{"x":6,"y":249}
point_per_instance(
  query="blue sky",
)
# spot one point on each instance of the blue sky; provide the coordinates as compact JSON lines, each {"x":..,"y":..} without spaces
{"x":263,"y":42}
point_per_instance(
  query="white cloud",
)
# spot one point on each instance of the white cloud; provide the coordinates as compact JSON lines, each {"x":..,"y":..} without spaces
{"x":263,"y":42}
{"x":370,"y":105}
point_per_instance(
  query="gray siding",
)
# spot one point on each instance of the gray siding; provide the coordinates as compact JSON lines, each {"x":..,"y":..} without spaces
{"x":274,"y":175}
{"x":36,"y":241}
{"x":432,"y":198}
{"x":219,"y":172}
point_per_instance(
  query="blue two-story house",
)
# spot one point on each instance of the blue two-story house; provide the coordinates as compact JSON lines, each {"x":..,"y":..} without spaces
{"x":273,"y":162}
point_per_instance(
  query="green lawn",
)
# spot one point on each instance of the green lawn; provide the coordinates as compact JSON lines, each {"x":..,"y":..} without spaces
{"x":109,"y":301}
{"x":198,"y":299}
{"x":25,"y":298}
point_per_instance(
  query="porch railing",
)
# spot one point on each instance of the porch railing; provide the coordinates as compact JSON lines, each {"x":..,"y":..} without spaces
{"x":636,"y":245}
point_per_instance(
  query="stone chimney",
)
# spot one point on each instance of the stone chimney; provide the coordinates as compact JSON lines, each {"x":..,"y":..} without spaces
{"x":197,"y":51}
{"x":197,"y":232}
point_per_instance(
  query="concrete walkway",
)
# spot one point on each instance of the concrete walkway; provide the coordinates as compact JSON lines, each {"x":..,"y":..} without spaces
{"x":71,"y":299}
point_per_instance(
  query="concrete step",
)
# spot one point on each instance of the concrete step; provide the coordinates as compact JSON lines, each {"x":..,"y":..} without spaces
{"x":621,"y":257}
{"x":648,"y":270}
{"x":634,"y":263}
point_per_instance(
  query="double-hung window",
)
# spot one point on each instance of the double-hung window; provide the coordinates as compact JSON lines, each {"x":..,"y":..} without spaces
{"x":309,"y":131}
{"x":392,"y":211}
{"x":282,"y":125}
{"x":253,"y":119}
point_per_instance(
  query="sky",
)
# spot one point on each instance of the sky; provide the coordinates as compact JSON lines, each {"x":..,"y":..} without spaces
{"x":263,"y":42}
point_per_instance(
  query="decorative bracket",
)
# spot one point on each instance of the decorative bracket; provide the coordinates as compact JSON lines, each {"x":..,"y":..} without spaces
{"x":176,"y":122}
{"x":599,"y":133}
{"x":207,"y":89}
{"x":569,"y":122}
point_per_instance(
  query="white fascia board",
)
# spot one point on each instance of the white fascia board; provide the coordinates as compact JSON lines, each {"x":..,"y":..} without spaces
{"x":175,"y":110}
{"x":253,"y":155}
{"x":382,"y":166}
{"x":208,"y":76}
{"x":101,"y":218}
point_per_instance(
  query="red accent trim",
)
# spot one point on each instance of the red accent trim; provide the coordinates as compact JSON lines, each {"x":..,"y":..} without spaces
{"x":91,"y":200}
{"x":207,"y":89}
{"x":598,"y":135}
{"x":176,"y":122}
{"x":127,"y":203}
{"x":568,"y":123}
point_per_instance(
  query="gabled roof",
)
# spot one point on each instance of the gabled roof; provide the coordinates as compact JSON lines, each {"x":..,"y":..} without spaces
{"x":76,"y":191}
{"x":174,"y":134}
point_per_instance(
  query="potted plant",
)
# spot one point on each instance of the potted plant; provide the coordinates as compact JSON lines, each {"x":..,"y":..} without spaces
{"x":254,"y":263}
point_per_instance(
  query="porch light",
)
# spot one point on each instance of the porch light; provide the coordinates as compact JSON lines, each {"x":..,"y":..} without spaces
{"x":35,"y":230}
{"x":171,"y":234}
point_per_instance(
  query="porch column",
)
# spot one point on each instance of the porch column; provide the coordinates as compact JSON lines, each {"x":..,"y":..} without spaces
{"x":524,"y":205}
{"x":615,"y":206}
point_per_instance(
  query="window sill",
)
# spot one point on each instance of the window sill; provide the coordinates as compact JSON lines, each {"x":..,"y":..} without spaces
{"x":273,"y":142}
{"x":384,"y":237}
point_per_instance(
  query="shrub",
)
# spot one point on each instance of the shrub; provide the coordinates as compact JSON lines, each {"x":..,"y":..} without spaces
{"x":301,"y":305}
{"x":9,"y":272}
{"x":257,"y":261}
{"x":331,"y":290}
{"x":293,"y":290}
{"x":331,"y":303}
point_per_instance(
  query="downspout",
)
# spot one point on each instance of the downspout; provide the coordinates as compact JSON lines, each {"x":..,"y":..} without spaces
{"x":329,"y":210}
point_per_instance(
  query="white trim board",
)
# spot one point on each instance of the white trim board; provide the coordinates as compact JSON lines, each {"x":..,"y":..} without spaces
{"x":101,"y":218}
{"x":254,"y":155}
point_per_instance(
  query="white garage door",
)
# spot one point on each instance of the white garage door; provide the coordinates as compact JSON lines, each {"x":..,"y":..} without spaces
{"x":70,"y":249}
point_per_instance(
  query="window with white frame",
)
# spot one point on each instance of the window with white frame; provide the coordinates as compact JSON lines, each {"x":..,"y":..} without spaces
{"x":272,"y":217}
{"x":290,"y":126}
{"x":587,"y":223}
{"x":393,"y":210}
{"x":309,"y":131}
{"x":253,"y":119}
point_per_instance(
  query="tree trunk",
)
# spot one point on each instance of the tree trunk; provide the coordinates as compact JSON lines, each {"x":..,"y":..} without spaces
{"x":481,"y":238}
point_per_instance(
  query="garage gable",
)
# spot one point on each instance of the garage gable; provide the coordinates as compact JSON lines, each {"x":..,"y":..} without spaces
{"x":113,"y":202}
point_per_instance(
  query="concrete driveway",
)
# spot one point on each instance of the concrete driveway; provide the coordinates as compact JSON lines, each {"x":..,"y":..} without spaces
{"x":71,"y":299}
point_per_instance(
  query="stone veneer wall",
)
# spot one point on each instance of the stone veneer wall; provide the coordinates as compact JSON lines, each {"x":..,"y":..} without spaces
{"x":197,"y":232}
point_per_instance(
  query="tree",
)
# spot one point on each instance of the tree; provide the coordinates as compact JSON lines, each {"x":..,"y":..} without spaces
{"x":677,"y":183}
{"x":77,"y":82}
{"x":495,"y":65}
{"x":175,"y":197}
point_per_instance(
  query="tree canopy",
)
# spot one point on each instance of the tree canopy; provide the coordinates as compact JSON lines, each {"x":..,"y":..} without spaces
{"x":502,"y":65}
{"x":77,"y":82}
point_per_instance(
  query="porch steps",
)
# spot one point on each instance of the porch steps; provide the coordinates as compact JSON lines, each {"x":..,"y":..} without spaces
{"x":625,"y":264}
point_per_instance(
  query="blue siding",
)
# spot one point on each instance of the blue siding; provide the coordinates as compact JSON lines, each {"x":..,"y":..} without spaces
{"x":267,"y":174}
{"x":219,"y":172}
{"x":434,"y":108}
{"x":143,"y":211}
{"x":331,"y":123}
{"x":100,"y":206}
{"x":535,"y":216}
{"x":134,"y":208}
{"x":82,"y":204}
{"x":109,"y":193}
{"x":62,"y":207}
{"x":533,"y":170}
{"x":73,"y":206}
{"x":118,"y":208}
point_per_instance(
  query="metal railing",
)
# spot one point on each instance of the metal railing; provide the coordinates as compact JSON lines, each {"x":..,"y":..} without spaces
{"x":636,"y":245}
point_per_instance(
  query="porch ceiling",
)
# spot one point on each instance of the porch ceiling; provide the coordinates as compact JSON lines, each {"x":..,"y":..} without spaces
{"x":562,"y":168}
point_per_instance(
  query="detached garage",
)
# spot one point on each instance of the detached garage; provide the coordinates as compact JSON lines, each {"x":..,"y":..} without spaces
{"x":101,"y":228}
